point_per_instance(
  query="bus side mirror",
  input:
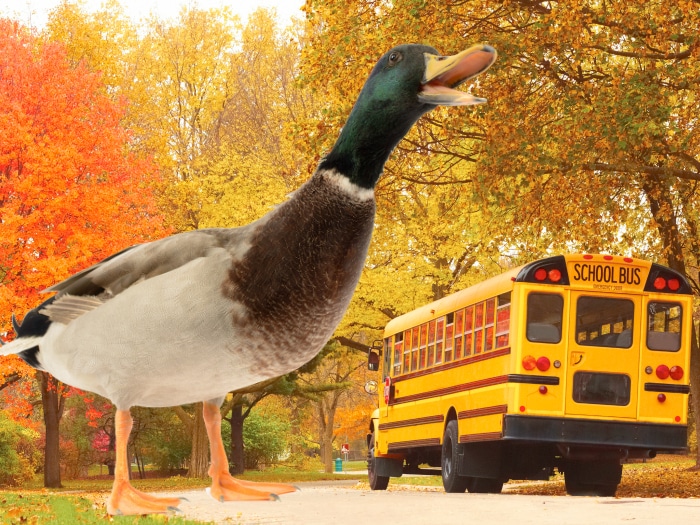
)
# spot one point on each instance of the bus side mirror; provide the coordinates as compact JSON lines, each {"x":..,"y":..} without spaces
{"x":373,"y":361}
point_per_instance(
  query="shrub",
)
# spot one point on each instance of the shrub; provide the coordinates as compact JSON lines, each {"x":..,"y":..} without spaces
{"x":19,"y":452}
{"x":264,"y":439}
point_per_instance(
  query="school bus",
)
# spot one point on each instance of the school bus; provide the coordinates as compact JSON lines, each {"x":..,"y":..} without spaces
{"x":573,"y":362}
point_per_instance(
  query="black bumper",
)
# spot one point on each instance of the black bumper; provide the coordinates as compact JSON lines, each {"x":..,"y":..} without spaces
{"x":592,"y":433}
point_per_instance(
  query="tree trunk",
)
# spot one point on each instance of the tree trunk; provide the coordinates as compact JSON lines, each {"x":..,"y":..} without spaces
{"x":52,"y":403}
{"x":199,"y":459}
{"x":237,"y":452}
{"x":662,"y":209}
{"x":326,"y":419}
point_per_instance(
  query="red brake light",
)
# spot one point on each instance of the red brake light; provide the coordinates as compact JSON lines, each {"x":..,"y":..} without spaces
{"x":674,"y":285}
{"x":676,"y":372}
{"x":662,"y":372}
{"x":543,"y":364}
{"x":540,"y":274}
{"x":659,"y":283}
{"x":529,"y":362}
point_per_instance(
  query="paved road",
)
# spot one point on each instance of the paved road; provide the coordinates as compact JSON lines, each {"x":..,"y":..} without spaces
{"x":339,"y":503}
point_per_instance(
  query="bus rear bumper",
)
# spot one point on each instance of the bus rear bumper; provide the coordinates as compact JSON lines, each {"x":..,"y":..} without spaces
{"x":635,"y":438}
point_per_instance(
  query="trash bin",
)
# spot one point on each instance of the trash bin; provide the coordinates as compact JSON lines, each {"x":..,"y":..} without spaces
{"x":338,"y":465}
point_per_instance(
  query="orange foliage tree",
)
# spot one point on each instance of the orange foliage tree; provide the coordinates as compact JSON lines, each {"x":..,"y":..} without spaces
{"x":71,"y":194}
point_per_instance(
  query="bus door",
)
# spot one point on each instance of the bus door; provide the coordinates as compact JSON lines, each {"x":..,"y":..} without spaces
{"x":603,"y":355}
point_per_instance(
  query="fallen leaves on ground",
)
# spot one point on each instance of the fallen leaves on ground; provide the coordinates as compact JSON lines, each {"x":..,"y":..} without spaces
{"x":638,"y":481}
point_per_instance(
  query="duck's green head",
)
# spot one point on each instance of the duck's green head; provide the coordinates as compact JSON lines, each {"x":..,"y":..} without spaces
{"x":407,"y":82}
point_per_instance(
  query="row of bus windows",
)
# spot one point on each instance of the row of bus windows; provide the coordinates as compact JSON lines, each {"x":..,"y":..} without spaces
{"x":604,"y":321}
{"x":477,"y":328}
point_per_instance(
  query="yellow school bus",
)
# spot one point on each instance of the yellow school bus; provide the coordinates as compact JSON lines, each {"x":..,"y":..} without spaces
{"x":573,"y":362}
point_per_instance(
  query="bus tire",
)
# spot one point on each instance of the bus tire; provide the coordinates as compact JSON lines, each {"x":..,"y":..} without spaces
{"x":592,"y":479}
{"x":376,"y":482}
{"x":484,"y":486}
{"x":451,"y":480}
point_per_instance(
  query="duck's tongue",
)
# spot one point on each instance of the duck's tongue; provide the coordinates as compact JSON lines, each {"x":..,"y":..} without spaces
{"x":443,"y":74}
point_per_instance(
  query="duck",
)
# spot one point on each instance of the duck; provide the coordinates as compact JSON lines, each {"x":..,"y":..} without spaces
{"x":195,"y":315}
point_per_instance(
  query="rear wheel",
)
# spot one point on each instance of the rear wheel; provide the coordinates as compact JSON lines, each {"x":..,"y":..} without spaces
{"x":375,"y":482}
{"x":485,"y":486}
{"x":592,"y":478}
{"x":451,"y":480}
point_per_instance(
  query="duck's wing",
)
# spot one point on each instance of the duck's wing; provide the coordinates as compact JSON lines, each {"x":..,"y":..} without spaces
{"x":118,"y":272}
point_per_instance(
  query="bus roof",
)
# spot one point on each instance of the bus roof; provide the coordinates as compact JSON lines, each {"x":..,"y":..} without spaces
{"x":481,"y":291}
{"x":597,"y":272}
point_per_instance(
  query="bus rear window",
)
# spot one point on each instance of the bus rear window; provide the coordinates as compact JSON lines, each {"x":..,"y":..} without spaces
{"x":604,"y":321}
{"x":602,"y":389}
{"x":664,"y":326}
{"x":544,"y":314}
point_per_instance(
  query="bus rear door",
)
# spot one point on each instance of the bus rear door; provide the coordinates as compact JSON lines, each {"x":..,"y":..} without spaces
{"x":603,"y":355}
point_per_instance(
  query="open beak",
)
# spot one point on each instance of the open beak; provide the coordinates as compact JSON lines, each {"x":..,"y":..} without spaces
{"x":443,"y":74}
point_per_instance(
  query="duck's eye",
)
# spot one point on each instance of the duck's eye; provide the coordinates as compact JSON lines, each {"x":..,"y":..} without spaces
{"x":394,"y":58}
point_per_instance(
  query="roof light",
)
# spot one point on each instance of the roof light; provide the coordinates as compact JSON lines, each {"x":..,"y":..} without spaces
{"x":659,"y":283}
{"x":554,"y":275}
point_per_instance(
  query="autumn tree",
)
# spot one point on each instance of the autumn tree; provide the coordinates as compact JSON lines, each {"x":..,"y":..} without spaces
{"x":105,"y":40}
{"x":589,"y":139}
{"x":70,"y":195}
{"x":333,"y":384}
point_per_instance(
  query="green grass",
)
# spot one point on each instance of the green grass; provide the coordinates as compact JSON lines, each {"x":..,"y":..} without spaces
{"x":82,"y":501}
{"x":36,"y":508}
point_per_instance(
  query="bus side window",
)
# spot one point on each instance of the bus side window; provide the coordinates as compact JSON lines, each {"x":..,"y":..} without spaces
{"x":398,"y":353}
{"x":544,"y":317}
{"x":440,"y":336}
{"x":664,"y":326}
{"x":407,"y":351}
{"x":449,"y":333}
{"x":503,"y":320}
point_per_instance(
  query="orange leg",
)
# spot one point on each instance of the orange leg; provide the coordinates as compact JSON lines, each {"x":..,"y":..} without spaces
{"x":125,"y":499}
{"x":224,"y":486}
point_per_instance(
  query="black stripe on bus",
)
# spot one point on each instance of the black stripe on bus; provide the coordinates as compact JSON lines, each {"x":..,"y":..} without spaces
{"x":535,"y":380}
{"x":662,"y":387}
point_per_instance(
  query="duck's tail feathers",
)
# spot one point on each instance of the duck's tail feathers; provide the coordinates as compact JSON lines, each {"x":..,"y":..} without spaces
{"x":19,"y":345}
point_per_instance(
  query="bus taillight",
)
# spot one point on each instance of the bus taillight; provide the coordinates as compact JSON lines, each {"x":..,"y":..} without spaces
{"x":541,"y":363}
{"x":676,"y":372}
{"x":664,"y":372}
{"x":529,"y":362}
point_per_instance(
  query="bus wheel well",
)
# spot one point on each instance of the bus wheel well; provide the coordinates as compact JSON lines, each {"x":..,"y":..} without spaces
{"x":451,"y":414}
